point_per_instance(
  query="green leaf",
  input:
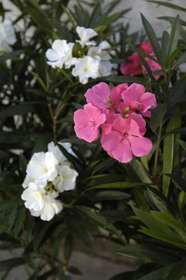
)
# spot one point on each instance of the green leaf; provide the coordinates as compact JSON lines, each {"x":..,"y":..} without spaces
{"x":11,"y":263}
{"x":177,"y":271}
{"x":171,"y":20}
{"x":148,"y":253}
{"x":168,"y":153}
{"x":162,"y":226}
{"x":168,"y":5}
{"x":174,"y":35}
{"x":181,"y":200}
{"x":160,"y":274}
{"x":106,"y":20}
{"x":182,"y":144}
{"x":98,"y":219}
{"x":181,"y":59}
{"x":151,"y":36}
{"x":35,"y":11}
{"x":158,"y":116}
{"x":164,"y":46}
{"x":141,"y":172}
{"x":150,"y":272}
{"x":110,"y":196}
{"x":70,"y":16}
{"x":122,"y":79}
{"x":117,"y":185}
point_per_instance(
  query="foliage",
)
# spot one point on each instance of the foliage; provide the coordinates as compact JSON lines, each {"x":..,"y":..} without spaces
{"x":140,"y":206}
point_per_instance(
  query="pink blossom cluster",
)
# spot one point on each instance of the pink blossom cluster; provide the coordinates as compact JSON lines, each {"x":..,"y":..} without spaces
{"x":117,"y":115}
{"x":134,"y":66}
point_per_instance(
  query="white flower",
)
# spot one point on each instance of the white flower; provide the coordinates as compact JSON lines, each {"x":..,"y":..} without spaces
{"x":85,"y":68}
{"x":60,"y":54}
{"x":40,"y":202}
{"x":100,"y":53}
{"x":33,"y":197}
{"x":61,"y":158}
{"x":7,"y":35}
{"x":41,"y":169}
{"x":85,"y":34}
{"x":52,"y":148}
{"x":105,"y":68}
{"x":51,"y":208}
{"x":68,"y":147}
{"x":66,"y":178}
{"x":48,"y":174}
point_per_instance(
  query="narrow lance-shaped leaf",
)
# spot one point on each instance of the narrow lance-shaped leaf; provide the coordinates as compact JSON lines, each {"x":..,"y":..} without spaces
{"x":168,"y":153}
{"x":164,"y":46}
{"x":169,"y":5}
{"x":151,"y":36}
{"x":174,"y":35}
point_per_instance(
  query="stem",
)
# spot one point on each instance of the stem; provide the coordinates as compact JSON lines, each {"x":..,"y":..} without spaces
{"x":157,"y":152}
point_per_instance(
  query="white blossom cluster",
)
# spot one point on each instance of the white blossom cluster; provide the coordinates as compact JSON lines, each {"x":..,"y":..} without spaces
{"x":48,"y":174}
{"x":87,"y":59}
{"x":7,"y":35}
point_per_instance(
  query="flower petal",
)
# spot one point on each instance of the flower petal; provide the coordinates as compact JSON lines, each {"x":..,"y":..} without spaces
{"x":116,"y":147}
{"x":87,"y":122}
{"x":98,"y":95}
{"x":141,"y":146}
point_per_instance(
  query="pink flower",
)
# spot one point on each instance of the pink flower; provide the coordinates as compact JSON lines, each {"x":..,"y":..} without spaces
{"x":147,"y":48}
{"x":135,"y":99}
{"x":87,"y":122}
{"x":122,"y":140}
{"x":119,"y":113}
{"x":134,"y":65}
{"x":105,"y":98}
{"x":154,"y":67}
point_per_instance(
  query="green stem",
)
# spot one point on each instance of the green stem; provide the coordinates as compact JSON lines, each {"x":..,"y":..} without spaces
{"x":157,"y":151}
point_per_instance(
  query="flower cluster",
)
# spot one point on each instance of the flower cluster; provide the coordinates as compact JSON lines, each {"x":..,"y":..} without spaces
{"x":7,"y":35}
{"x":85,"y":58}
{"x":119,"y":113}
{"x":134,"y":65}
{"x":48,"y":175}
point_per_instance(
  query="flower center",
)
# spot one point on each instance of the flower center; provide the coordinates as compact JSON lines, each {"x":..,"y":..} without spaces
{"x":109,"y":103}
{"x":79,"y":51}
{"x":50,"y":188}
{"x":126,"y":112}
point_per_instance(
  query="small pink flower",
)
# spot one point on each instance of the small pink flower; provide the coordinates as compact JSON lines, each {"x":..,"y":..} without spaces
{"x":146,"y":47}
{"x":122,"y":140}
{"x":134,"y":65}
{"x":154,"y":67}
{"x":135,"y":99}
{"x":87,"y":122}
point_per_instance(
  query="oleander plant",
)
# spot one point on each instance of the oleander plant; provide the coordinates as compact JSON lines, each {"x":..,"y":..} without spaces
{"x":92,"y":138}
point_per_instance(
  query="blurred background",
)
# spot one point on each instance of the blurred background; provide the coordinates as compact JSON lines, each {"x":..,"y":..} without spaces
{"x":92,"y":267}
{"x":138,"y":6}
